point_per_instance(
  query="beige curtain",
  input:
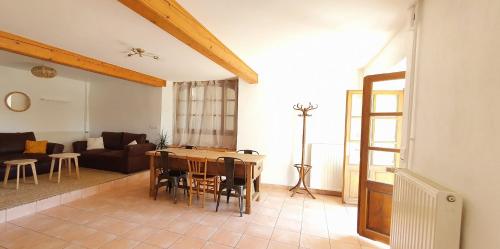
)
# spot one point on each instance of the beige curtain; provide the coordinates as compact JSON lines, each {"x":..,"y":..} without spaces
{"x":206,"y":113}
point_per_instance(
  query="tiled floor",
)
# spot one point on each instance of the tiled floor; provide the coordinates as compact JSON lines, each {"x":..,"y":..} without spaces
{"x":127,"y":218}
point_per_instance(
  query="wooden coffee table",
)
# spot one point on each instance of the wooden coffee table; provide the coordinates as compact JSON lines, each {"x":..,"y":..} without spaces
{"x":21,"y":163}
{"x":66,"y":158}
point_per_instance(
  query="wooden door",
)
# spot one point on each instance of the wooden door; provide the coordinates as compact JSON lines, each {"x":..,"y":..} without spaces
{"x":381,"y":121}
{"x":352,"y":139}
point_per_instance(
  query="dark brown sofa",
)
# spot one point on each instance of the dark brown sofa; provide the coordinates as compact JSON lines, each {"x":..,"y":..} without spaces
{"x":117,"y":155}
{"x":12,"y":146}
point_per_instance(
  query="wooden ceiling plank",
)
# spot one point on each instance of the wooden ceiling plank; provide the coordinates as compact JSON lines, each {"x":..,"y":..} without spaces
{"x":20,"y":45}
{"x":174,"y":19}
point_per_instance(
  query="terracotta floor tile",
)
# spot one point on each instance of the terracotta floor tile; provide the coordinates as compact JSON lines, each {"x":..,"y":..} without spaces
{"x":188,"y":243}
{"x":251,"y":242}
{"x":180,"y":226}
{"x":288,"y":237}
{"x":112,"y":225}
{"x":127,"y":217}
{"x":96,"y":240}
{"x":314,"y":242}
{"x":213,"y":220}
{"x":226,"y":237}
{"x":162,"y":238}
{"x":202,"y":232}
{"x":288,"y":224}
{"x":280,"y":245}
{"x":146,"y":246}
{"x":73,"y":246}
{"x":120,"y":243}
{"x":139,"y":233}
{"x":212,"y":245}
{"x":260,"y":231}
{"x":235,"y":226}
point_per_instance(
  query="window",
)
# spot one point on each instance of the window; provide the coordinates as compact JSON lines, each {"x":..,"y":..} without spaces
{"x":206,"y":113}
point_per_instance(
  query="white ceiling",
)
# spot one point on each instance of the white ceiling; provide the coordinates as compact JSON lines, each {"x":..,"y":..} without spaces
{"x":349,"y":32}
{"x":105,"y":30}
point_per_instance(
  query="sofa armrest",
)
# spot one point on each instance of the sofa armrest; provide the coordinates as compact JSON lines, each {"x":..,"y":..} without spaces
{"x":138,"y":149}
{"x":79,"y":146}
{"x":54,"y":148}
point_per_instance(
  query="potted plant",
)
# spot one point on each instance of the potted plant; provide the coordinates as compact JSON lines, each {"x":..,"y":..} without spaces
{"x":163,"y":141}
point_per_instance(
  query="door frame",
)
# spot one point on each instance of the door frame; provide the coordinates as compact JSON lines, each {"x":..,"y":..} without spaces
{"x":364,"y":155}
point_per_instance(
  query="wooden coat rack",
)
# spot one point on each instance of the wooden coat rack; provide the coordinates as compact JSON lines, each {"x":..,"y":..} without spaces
{"x":303,"y":168}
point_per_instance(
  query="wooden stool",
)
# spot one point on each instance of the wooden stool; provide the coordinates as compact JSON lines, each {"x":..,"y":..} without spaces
{"x":64,"y":157}
{"x":20,"y":163}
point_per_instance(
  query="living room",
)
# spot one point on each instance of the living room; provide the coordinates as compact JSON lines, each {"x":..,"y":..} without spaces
{"x":259,"y":124}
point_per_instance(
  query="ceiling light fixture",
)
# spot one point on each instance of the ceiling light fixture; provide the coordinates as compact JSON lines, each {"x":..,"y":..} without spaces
{"x":44,"y":72}
{"x":141,"y":52}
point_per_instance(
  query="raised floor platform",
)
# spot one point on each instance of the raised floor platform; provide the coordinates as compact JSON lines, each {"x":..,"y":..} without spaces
{"x":31,"y":198}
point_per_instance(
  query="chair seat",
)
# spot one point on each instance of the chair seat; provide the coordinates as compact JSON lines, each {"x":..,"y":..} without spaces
{"x":237,"y":182}
{"x":209,"y":177}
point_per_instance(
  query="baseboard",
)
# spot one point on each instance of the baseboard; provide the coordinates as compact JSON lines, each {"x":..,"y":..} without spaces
{"x":314,"y":191}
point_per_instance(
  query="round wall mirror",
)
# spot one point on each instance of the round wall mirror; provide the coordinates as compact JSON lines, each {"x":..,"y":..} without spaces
{"x":17,"y":101}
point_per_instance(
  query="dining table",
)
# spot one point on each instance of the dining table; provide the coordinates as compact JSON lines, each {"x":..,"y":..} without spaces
{"x":250,"y":169}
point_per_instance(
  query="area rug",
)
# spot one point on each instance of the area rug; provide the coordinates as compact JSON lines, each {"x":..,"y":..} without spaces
{"x":29,"y":192}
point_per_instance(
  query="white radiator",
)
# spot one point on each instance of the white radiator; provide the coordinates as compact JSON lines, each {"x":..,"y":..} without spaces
{"x":327,"y":166}
{"x":424,"y":214}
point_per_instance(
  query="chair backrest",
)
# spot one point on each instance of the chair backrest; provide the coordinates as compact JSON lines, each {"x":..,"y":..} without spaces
{"x":248,"y":152}
{"x":229,"y":167}
{"x":164,"y":164}
{"x":197,"y":166}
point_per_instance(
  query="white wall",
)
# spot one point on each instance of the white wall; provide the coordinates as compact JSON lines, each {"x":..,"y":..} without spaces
{"x":393,"y":57}
{"x":457,"y":110}
{"x":267,"y":122}
{"x":120,"y":105}
{"x":56,"y":121}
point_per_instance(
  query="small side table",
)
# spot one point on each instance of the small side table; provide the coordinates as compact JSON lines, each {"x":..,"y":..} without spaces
{"x":64,"y":157}
{"x":21,"y":163}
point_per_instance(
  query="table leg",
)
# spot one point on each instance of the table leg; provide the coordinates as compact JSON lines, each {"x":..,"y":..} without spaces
{"x":77,"y":168}
{"x":68,"y":162}
{"x":248,"y":197}
{"x":256,"y":184}
{"x":24,"y":172}
{"x":17,"y":183}
{"x":59,"y":172}
{"x":6,"y":177}
{"x":52,"y":168}
{"x":152,"y":175}
{"x":33,"y":169}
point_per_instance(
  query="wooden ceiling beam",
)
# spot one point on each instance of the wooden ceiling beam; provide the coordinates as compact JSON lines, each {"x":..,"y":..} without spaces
{"x":174,"y":19}
{"x":20,"y":45}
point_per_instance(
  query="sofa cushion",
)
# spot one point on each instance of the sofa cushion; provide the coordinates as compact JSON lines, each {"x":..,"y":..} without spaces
{"x":39,"y":147}
{"x":14,"y":142}
{"x":112,"y":140}
{"x":95,"y":143}
{"x":129,"y":137}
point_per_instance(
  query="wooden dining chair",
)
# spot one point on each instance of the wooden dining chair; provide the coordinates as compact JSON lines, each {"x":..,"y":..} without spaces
{"x":198,"y":178}
{"x":251,"y":152}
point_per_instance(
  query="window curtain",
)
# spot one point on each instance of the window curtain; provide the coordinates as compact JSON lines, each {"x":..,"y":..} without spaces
{"x":205,"y":113}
